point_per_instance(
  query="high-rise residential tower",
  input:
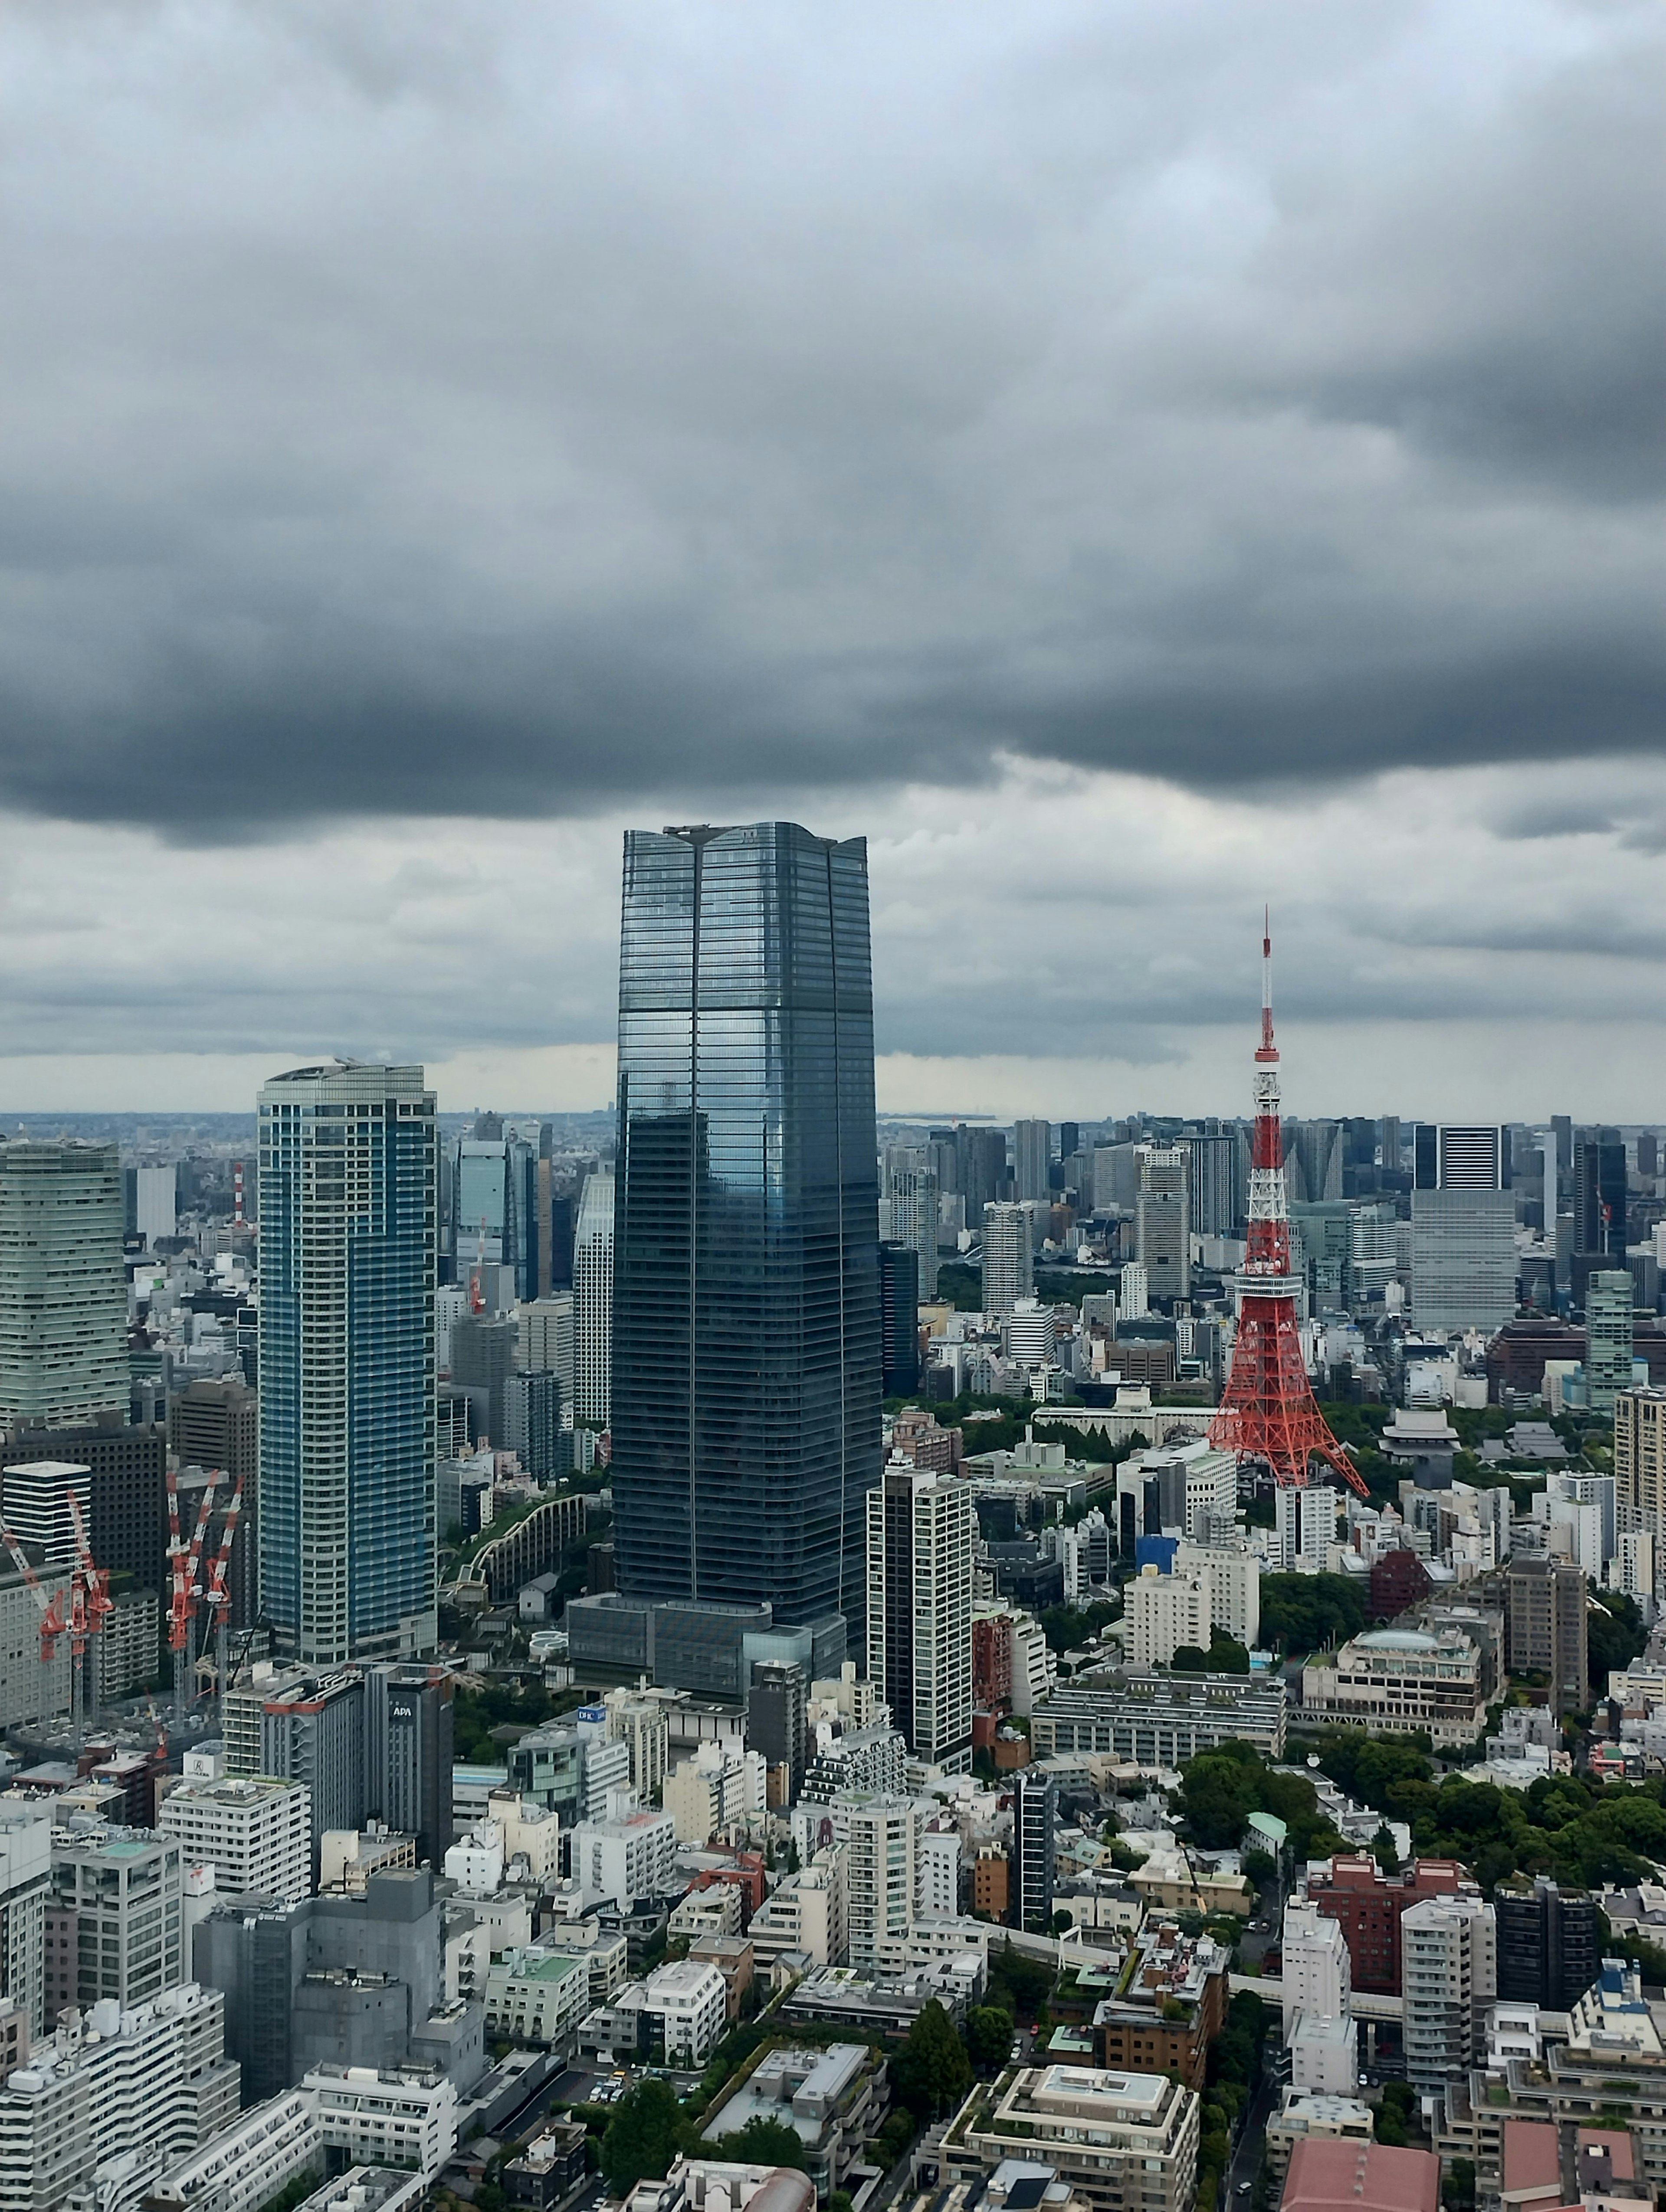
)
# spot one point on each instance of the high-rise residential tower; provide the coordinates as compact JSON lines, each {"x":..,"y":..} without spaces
{"x":348,"y":1251}
{"x":920,"y":1533}
{"x":745,"y":1354}
{"x":592,"y":1300}
{"x":63,"y":1290}
{"x":1163,"y":1220}
{"x":1033,"y":1159}
{"x":1008,"y":1258}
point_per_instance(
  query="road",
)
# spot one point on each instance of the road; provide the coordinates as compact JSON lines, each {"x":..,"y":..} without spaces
{"x":1252,"y":2139}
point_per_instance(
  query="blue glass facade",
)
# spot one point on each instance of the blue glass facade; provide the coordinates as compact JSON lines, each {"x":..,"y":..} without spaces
{"x":347,"y":1245}
{"x":746,"y":1348}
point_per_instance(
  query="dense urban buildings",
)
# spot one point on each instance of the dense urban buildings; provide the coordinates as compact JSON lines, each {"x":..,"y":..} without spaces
{"x":348,"y":1251}
{"x":745,"y":1329}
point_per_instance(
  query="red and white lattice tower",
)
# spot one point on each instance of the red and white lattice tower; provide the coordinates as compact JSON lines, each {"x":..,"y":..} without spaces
{"x":1268,"y":1413}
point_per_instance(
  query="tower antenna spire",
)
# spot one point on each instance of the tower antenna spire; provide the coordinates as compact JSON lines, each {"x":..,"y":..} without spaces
{"x":1268,"y":1414}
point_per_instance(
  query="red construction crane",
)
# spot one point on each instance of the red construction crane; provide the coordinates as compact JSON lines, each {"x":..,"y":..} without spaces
{"x":1268,"y":1412}
{"x":90,"y":1607}
{"x":217,"y":1598}
{"x":51,"y":1609}
{"x":184,"y":1587}
{"x":477,"y":1275}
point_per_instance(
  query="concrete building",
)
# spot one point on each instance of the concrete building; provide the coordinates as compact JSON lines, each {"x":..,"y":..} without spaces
{"x":831,"y":2098}
{"x":723,"y":1787}
{"x":40,"y":1500}
{"x":690,"y":1999}
{"x":1305,"y":1528}
{"x":1545,"y":1627}
{"x":1449,"y":1977}
{"x":1170,"y":2011}
{"x":881,"y":1840}
{"x":1463,"y":1259}
{"x":536,"y":1996}
{"x":592,"y":1300}
{"x":1161,"y":1614}
{"x":921,"y":1536}
{"x":1034,"y":1826}
{"x":807,"y":1914}
{"x":114,"y":1927}
{"x":1369,"y":1904}
{"x":62,"y":1287}
{"x":31,"y":1688}
{"x":349,"y":1245}
{"x":26,"y":1874}
{"x":1008,"y":1258}
{"x":1608,"y":1333}
{"x":1159,"y":1720}
{"x":1117,"y":2139}
{"x":1231,"y":1575}
{"x":263,"y":2154}
{"x":547,"y":1339}
{"x":255,"y":1831}
{"x":629,"y":1852}
{"x":138,"y":2087}
{"x":1549,"y":1945}
{"x":1302,"y":2113}
{"x":1032,"y":1161}
{"x":1639,"y":1462}
{"x":1163,"y":1221}
{"x":400,"y":2116}
{"x":1398,"y":1682}
{"x":642,"y":1723}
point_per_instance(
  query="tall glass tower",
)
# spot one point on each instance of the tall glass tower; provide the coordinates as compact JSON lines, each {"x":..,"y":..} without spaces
{"x":348,"y":1246}
{"x":746,"y":1356}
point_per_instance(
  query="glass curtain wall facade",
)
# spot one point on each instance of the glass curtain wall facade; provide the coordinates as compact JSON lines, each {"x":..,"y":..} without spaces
{"x":746,"y":1352}
{"x":348,"y":1248}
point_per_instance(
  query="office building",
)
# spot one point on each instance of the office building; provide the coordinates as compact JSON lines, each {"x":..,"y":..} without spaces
{"x":547,"y":1326}
{"x":255,"y":1831}
{"x":115,"y":1923}
{"x":1463,"y":1259}
{"x":1231,"y":1575}
{"x":899,"y":1325}
{"x":777,"y":1724}
{"x":1400,"y":1681}
{"x":146,"y":2086}
{"x":921,"y":1531}
{"x":1305,"y":1527}
{"x":1599,"y":1197}
{"x":1034,"y":1823}
{"x":1545,"y":1627}
{"x":31,"y":1688}
{"x":41,"y":1500}
{"x":1114,"y":2140}
{"x":1218,"y":1201}
{"x":1160,"y":1720}
{"x":407,"y":1746}
{"x":1549,"y":1946}
{"x":348,"y":1257}
{"x":62,"y":1287}
{"x":592,"y":1301}
{"x":1032,"y":1160}
{"x":533,"y":1426}
{"x":1608,"y":1337}
{"x":982,"y":1175}
{"x":1449,"y":1976}
{"x":483,"y":1348}
{"x":216,"y":1425}
{"x":908,"y":1208}
{"x":628,"y":1851}
{"x":1008,"y":1258}
{"x":1163,"y":1221}
{"x":745,"y":1415}
{"x":1452,"y":1157}
{"x":150,"y":1203}
{"x":1639,"y":1462}
{"x":127,"y":1472}
{"x":26,"y":1877}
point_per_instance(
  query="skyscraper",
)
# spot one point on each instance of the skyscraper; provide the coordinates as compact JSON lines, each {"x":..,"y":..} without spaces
{"x":1032,"y":1157}
{"x":899,"y":1326}
{"x":1008,"y":1258}
{"x":1609,"y":1336}
{"x":592,"y":1300}
{"x":1164,"y":1221}
{"x":63,"y":1290}
{"x":746,"y":1355}
{"x":348,"y":1252}
{"x":1464,"y":1228}
{"x":920,"y":1538}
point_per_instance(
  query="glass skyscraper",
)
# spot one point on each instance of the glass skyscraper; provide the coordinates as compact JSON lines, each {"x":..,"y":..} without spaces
{"x":348,"y":1248}
{"x":745,"y":1354}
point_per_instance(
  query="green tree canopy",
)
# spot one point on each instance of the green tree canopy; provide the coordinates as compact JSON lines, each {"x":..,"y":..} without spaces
{"x":641,"y":2141}
{"x":1306,"y":1613}
{"x":988,"y":2038}
{"x":762,"y":2142}
{"x":931,"y":2072}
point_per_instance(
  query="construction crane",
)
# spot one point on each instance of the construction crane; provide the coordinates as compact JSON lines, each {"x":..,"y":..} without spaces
{"x":217,"y":1598}
{"x":90,"y":1607}
{"x":183,"y":1588}
{"x":51,"y":1609}
{"x":477,"y":1275}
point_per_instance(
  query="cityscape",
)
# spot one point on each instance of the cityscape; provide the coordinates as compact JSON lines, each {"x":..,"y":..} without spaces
{"x":726,"y":1648}
{"x":832,"y":1112}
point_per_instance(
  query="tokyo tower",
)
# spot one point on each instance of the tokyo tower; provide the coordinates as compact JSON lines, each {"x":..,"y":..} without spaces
{"x":1269,"y":1412}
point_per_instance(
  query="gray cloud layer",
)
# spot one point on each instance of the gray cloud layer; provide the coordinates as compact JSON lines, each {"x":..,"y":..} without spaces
{"x":454,"y":406}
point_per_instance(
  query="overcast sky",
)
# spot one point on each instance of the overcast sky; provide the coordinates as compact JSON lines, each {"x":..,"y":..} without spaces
{"x":1130,"y":460}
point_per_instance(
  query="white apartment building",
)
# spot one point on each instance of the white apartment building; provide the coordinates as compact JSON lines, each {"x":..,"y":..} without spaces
{"x":1304,"y":1529}
{"x":1160,"y":1613}
{"x":881,"y":1838}
{"x":475,"y":1860}
{"x":1118,"y":2140}
{"x":253,"y":2161}
{"x":1316,"y":1976}
{"x":722,"y":1786}
{"x":536,"y":1995}
{"x":807,"y":1913}
{"x":691,"y":1997}
{"x":630,"y":1852}
{"x":921,"y":1533}
{"x":1008,"y":1258}
{"x":593,"y":1298}
{"x":402,"y":2116}
{"x":940,"y":1856}
{"x":1232,"y":1578}
{"x":256,"y":1832}
{"x":642,"y":1723}
{"x":1449,"y":1977}
{"x":139,"y":2087}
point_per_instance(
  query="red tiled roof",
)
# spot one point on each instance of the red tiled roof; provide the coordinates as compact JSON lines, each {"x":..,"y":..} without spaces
{"x":1531,"y":2159}
{"x":1331,"y":2175}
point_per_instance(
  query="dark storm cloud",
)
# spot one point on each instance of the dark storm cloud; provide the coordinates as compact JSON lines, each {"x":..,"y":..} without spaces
{"x":468,"y":408}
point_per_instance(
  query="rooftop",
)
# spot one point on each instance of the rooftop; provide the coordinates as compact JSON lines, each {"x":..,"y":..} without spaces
{"x":1333,"y":2173}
